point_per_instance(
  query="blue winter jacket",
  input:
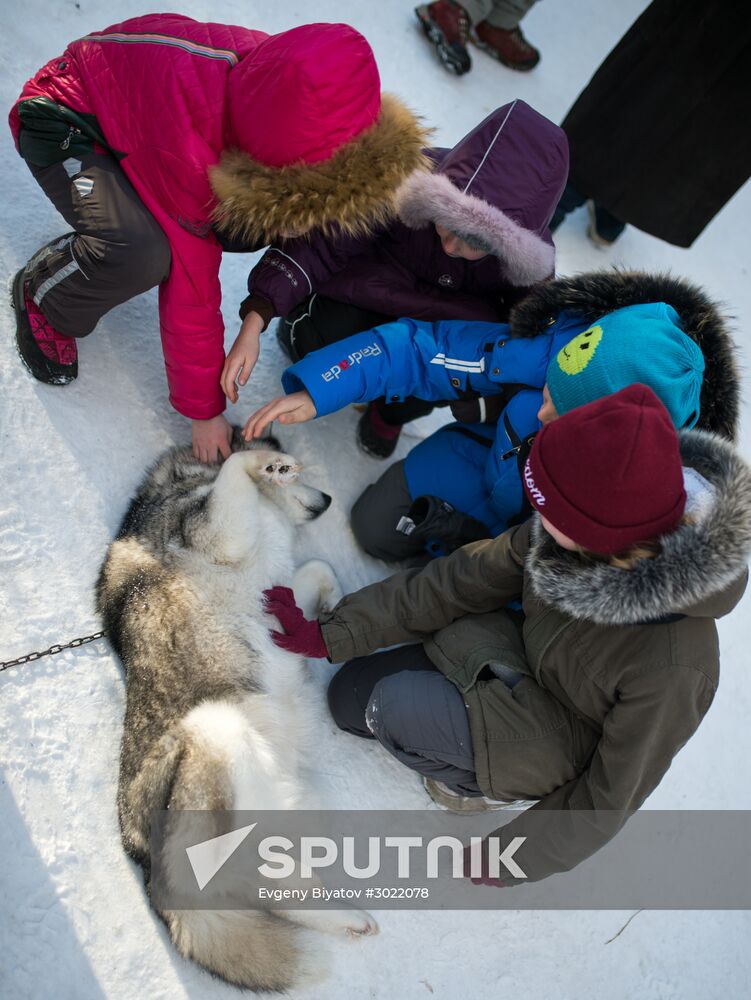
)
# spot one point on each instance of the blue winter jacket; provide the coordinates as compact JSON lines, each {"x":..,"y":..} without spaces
{"x":476,"y":467}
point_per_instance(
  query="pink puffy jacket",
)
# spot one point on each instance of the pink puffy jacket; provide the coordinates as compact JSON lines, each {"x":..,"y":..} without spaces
{"x":173,"y":94}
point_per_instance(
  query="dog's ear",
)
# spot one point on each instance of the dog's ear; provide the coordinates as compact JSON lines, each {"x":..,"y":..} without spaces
{"x":239,"y":443}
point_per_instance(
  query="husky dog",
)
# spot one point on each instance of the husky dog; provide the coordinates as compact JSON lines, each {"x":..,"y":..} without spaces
{"x":217,"y":716}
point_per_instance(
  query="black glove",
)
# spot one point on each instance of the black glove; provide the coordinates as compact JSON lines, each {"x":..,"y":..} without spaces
{"x":484,"y":410}
{"x":441,"y":527}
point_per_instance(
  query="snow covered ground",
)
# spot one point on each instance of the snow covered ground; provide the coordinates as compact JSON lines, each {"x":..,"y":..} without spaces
{"x":75,"y":922}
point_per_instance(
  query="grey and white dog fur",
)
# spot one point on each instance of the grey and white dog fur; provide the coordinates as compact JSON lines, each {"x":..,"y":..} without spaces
{"x":217,"y":716}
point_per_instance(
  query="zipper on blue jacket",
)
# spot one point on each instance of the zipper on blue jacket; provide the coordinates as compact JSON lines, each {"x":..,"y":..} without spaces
{"x":519,"y":443}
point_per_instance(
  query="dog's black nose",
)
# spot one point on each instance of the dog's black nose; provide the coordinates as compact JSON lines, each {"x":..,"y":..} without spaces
{"x":317,"y":507}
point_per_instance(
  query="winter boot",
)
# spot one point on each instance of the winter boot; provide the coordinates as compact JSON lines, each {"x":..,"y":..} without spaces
{"x":603,"y":229}
{"x":508,"y":46}
{"x":440,"y":526}
{"x":447,"y":26}
{"x":48,"y":355}
{"x":374,"y":435}
{"x":455,"y":802}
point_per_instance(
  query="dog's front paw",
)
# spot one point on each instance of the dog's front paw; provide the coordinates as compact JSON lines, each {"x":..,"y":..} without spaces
{"x":316,"y":588}
{"x":361,"y":924}
{"x":331,"y":594}
{"x":352,"y":923}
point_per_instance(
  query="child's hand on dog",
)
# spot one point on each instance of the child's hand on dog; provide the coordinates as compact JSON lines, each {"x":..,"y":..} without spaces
{"x":242,"y":357}
{"x":293,"y":409}
{"x":212,"y":439}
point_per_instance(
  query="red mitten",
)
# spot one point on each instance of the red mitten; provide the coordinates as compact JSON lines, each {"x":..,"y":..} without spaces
{"x":484,"y":878}
{"x":299,"y":635}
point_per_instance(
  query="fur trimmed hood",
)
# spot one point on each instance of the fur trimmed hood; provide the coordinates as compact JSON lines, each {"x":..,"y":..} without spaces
{"x":351,"y":192}
{"x":497,"y":189}
{"x":599,"y":292}
{"x":701,"y":571}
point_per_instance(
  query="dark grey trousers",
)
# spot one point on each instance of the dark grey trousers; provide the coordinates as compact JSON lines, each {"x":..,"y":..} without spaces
{"x":116,"y":251}
{"x":401,"y":699}
{"x":376,"y":513}
{"x":504,"y":14}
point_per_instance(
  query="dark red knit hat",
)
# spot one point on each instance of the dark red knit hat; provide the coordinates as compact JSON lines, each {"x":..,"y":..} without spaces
{"x":609,"y":474}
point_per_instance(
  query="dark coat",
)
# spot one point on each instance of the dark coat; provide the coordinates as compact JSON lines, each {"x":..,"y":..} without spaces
{"x":660,"y":136}
{"x":497,"y":188}
{"x":620,"y":665}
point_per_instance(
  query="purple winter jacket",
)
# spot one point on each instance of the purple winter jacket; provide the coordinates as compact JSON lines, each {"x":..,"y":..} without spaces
{"x":497,"y":189}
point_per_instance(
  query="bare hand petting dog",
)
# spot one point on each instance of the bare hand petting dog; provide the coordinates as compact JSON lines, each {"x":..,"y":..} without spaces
{"x":212,"y":436}
{"x":293,"y":409}
{"x":242,"y":357}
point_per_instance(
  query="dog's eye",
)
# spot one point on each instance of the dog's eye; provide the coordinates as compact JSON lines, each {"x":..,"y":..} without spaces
{"x":284,"y":470}
{"x":269,"y":468}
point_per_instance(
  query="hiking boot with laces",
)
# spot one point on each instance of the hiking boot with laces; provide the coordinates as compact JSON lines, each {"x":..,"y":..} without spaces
{"x":446,"y":24}
{"x":50,"y":356}
{"x":508,"y":46}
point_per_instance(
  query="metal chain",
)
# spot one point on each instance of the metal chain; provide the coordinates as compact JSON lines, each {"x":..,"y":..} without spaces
{"x":52,"y":651}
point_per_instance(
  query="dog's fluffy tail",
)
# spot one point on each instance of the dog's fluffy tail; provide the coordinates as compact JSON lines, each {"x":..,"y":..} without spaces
{"x":255,"y":949}
{"x":249,"y":948}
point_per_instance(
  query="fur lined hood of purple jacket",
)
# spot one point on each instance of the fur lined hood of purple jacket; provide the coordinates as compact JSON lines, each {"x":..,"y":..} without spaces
{"x":497,"y":188}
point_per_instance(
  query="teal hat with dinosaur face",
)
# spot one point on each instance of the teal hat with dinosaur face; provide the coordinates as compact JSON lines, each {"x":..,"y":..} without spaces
{"x":641,"y":343}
